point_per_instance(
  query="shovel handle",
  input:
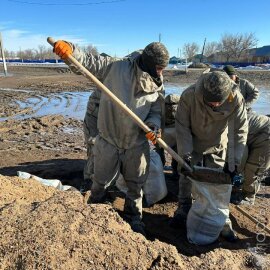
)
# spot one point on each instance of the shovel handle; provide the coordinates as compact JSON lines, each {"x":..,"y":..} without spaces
{"x":86,"y":73}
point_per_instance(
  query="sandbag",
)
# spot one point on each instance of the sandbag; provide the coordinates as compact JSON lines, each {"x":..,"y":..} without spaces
{"x":155,"y":188}
{"x":47,"y":182}
{"x":209,"y":212}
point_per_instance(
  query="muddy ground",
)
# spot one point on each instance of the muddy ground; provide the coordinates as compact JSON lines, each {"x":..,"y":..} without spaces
{"x":42,"y":228}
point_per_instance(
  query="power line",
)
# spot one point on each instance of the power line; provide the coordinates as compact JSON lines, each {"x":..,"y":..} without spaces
{"x":66,"y":4}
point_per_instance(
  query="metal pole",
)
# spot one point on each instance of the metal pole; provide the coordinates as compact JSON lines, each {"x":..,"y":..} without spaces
{"x":159,"y":38}
{"x":202,"y":51}
{"x":3,"y":55}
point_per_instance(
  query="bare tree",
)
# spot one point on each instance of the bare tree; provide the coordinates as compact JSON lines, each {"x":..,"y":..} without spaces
{"x":234,"y":46}
{"x":89,"y":49}
{"x":190,"y":49}
{"x":49,"y":54}
{"x":40,"y":52}
{"x":27,"y":54}
{"x":211,"y":48}
{"x":9,"y":54}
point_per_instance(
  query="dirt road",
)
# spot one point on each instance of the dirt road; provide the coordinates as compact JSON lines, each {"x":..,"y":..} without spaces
{"x":45,"y":229}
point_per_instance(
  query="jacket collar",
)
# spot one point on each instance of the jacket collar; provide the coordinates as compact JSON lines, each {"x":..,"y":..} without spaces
{"x":145,"y":81}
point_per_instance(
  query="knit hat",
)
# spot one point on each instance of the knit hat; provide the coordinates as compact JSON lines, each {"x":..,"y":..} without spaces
{"x":217,"y":86}
{"x":229,"y":70}
{"x":153,"y":54}
{"x":158,"y":53}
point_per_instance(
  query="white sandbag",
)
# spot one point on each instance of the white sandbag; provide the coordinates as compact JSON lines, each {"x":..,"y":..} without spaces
{"x":52,"y":183}
{"x":155,"y":188}
{"x":208,"y":213}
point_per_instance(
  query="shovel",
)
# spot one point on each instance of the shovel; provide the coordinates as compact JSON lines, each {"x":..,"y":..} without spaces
{"x":198,"y":173}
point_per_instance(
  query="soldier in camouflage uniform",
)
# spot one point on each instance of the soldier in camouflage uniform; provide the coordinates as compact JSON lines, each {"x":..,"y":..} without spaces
{"x":90,"y":132}
{"x":171,"y":103}
{"x":121,"y":145}
{"x":256,"y":159}
{"x":203,"y":126}
{"x":248,"y":90}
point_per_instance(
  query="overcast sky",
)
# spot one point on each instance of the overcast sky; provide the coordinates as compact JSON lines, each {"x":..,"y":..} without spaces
{"x":119,"y":27}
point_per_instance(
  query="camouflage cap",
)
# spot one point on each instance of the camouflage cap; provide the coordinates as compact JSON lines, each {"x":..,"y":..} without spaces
{"x":229,"y":70}
{"x":158,"y":52}
{"x":217,"y":86}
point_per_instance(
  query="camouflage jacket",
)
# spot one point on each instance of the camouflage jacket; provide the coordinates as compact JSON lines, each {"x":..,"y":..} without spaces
{"x":204,"y":130}
{"x":249,"y":91}
{"x":133,"y":87}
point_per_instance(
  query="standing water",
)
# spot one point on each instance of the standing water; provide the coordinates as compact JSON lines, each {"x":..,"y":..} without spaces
{"x":73,"y":104}
{"x":261,"y":106}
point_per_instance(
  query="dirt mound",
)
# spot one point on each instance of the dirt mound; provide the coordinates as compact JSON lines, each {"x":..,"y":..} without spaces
{"x":45,"y":229}
{"x":42,"y":228}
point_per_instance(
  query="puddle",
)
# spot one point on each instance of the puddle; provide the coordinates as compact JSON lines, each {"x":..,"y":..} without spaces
{"x":73,"y":104}
{"x":261,"y":106}
{"x":171,"y":88}
{"x":4,"y":75}
{"x":68,"y":104}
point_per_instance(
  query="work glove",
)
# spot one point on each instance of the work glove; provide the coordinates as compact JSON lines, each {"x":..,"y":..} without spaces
{"x":154,"y":133}
{"x":236,"y":177}
{"x":188,"y":159}
{"x":62,"y":49}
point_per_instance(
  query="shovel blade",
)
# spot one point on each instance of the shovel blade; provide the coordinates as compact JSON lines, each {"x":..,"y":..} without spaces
{"x":209,"y":175}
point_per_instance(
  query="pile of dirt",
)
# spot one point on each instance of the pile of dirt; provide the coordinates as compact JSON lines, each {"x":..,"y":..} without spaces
{"x":42,"y":133}
{"x":42,"y":228}
{"x":45,"y":229}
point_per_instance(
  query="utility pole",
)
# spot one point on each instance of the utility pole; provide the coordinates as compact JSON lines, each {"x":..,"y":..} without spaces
{"x":21,"y":54}
{"x":3,"y":55}
{"x":159,"y":37}
{"x":202,"y":51}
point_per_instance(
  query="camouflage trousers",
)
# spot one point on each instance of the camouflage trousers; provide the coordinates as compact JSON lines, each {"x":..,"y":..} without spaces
{"x":255,"y":162}
{"x":90,"y":133}
{"x":133,"y":163}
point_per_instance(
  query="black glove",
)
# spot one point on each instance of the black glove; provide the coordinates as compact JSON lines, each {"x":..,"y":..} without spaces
{"x":188,"y":159}
{"x":236,"y":177}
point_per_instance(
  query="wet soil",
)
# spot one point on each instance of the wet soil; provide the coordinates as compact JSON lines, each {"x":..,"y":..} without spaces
{"x":42,"y":228}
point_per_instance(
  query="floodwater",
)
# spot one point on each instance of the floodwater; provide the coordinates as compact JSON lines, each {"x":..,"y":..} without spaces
{"x":73,"y":104}
{"x":68,"y":104}
{"x":261,"y":106}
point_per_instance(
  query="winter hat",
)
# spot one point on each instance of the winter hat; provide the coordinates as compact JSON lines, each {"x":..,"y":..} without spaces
{"x":154,"y":54}
{"x":217,"y":86}
{"x":229,"y":70}
{"x":158,"y":54}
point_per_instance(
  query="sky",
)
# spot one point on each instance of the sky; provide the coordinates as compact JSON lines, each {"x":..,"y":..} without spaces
{"x":118,"y":27}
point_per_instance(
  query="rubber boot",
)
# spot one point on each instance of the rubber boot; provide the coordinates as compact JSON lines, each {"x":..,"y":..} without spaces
{"x":98,"y":194}
{"x":228,"y":233}
{"x":236,"y":195}
{"x":180,"y":216}
{"x":85,"y":185}
{"x":133,"y":214}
